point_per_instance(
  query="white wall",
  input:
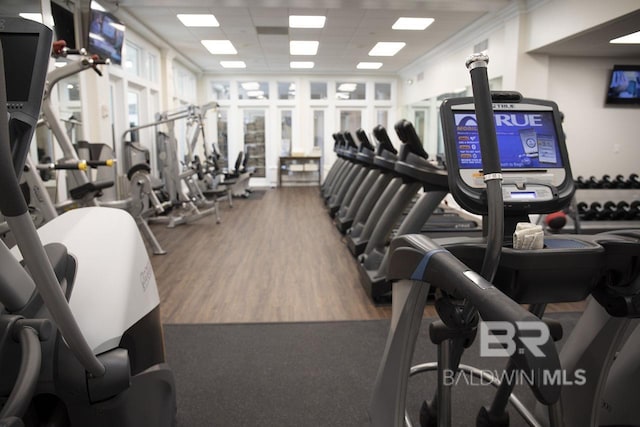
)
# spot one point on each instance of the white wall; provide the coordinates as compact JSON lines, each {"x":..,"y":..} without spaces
{"x":601,"y":140}
{"x":555,"y":20}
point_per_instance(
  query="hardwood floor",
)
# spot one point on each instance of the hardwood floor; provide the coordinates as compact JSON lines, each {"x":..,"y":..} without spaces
{"x":278,"y":258}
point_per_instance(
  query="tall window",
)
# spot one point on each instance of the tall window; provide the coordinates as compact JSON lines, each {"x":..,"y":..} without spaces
{"x":285,"y":132}
{"x":254,"y":134}
{"x":318,"y":129}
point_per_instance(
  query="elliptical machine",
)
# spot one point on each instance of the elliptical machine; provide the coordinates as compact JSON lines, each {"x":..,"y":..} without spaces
{"x":100,"y":361}
{"x":537,"y":179}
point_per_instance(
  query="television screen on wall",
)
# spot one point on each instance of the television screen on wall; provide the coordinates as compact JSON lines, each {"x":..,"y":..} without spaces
{"x":106,"y":36}
{"x":624,"y":85}
{"x":63,"y":25}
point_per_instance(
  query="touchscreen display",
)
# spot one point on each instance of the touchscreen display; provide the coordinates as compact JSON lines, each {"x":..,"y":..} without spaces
{"x":526,"y":140}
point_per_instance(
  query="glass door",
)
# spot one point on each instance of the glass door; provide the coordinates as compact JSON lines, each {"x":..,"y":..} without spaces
{"x":254,"y":140}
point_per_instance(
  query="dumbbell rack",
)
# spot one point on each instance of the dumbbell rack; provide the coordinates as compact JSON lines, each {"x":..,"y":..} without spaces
{"x":602,"y":196}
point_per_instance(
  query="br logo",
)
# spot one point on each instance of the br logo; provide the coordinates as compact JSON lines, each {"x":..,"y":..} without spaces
{"x":497,"y":338}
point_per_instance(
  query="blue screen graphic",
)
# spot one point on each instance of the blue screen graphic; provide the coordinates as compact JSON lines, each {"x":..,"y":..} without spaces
{"x":526,"y":140}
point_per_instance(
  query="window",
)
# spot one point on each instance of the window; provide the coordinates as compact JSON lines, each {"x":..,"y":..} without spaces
{"x":254,"y":143}
{"x":184,"y":83}
{"x":223,"y":136}
{"x":350,"y":120}
{"x":152,"y":67}
{"x":382,"y":92}
{"x":285,"y":128}
{"x":350,"y":90}
{"x":253,"y":90}
{"x":133,"y":116}
{"x":318,"y":90}
{"x":318,"y":129}
{"x":132,"y":58}
{"x":286,"y":90}
{"x":382,"y":118}
{"x":221,"y":90}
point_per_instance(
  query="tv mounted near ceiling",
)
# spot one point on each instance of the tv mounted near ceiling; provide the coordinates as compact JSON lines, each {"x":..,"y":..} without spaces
{"x":63,"y":25}
{"x":106,"y":36}
{"x":624,"y":85}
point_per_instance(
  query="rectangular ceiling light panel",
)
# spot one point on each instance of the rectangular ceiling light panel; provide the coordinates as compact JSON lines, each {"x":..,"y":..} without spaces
{"x":386,"y":48}
{"x":369,"y":65}
{"x":233,"y":64}
{"x":301,"y":64}
{"x":219,"y":47}
{"x":301,"y":21}
{"x":633,"y":38}
{"x":415,"y":24}
{"x":303,"y":47}
{"x":198,"y":20}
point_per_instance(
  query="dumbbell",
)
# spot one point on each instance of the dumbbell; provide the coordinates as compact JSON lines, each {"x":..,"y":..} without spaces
{"x":634,"y":182}
{"x":634,"y":210}
{"x":607,"y":212}
{"x":621,"y":182}
{"x":581,"y":183}
{"x":594,"y":182}
{"x":621,"y":211}
{"x":584,"y":212}
{"x":605,"y":182}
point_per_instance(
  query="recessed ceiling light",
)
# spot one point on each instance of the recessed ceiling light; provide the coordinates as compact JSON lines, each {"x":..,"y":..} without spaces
{"x":347,"y":87}
{"x":386,"y":48}
{"x":233,"y":64}
{"x":255,"y":93}
{"x":32,"y":16}
{"x":97,"y":6}
{"x":219,"y":47}
{"x":632,"y":38}
{"x":342,"y":95}
{"x":301,"y":21}
{"x":412,"y":23}
{"x":303,"y":47}
{"x":198,"y":20}
{"x":369,"y":65}
{"x":250,"y":85}
{"x":301,"y":64}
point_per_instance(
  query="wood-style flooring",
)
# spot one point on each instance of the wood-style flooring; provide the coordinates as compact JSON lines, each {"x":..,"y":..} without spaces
{"x":277,"y":258}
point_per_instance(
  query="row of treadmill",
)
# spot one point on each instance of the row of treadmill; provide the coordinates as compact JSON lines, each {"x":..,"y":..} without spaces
{"x":373,"y":192}
{"x":480,"y":272}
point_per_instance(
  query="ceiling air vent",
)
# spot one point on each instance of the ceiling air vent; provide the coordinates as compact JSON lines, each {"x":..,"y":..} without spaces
{"x":273,"y":31}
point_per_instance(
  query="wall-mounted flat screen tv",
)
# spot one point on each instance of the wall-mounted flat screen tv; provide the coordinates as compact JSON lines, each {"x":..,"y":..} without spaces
{"x":63,"y":25}
{"x":624,"y":85}
{"x":106,"y":36}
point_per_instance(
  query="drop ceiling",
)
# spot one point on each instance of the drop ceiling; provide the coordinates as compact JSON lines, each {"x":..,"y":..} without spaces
{"x":352,"y":28}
